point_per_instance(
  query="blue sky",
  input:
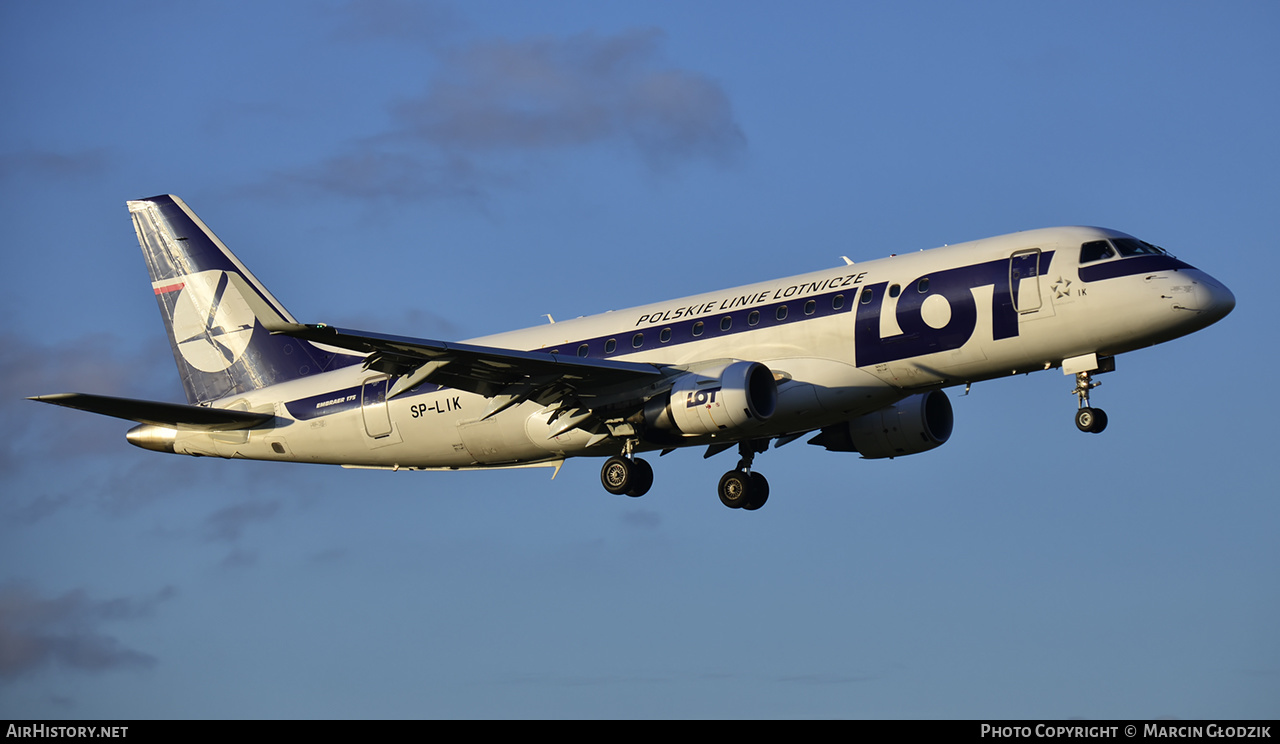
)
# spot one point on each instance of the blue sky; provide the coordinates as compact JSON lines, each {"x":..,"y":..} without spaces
{"x":453,"y":170}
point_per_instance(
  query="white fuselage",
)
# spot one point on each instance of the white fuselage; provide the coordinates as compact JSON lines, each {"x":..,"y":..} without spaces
{"x":841,"y":342}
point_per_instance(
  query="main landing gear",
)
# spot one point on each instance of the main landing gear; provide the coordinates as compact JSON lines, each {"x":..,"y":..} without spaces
{"x":626,"y":474}
{"x":744,"y":488}
{"x":629,"y":477}
{"x":1092,"y":420}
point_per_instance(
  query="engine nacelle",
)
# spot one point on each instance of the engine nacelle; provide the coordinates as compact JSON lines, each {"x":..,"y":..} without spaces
{"x":915,"y":424}
{"x":715,"y":400}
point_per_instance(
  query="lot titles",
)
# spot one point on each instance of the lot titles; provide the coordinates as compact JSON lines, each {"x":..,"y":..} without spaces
{"x":768,"y":295}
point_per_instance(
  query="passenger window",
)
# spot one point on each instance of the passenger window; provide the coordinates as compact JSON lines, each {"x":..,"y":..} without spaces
{"x":867,"y":296}
{"x":609,"y":346}
{"x":754,"y":318}
{"x":782,"y":312}
{"x":637,"y":341}
{"x":894,"y":290}
{"x":1096,"y":250}
{"x":922,"y":286}
{"x":837,"y":302}
{"x":726,"y":323}
{"x":809,"y":307}
{"x":665,"y":336}
{"x":582,"y":350}
{"x":697,"y":328}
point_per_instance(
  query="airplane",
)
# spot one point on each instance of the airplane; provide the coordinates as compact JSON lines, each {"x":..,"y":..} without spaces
{"x":858,"y":356}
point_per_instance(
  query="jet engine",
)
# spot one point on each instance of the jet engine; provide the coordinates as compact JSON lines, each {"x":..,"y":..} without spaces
{"x":915,"y":424}
{"x":714,"y":400}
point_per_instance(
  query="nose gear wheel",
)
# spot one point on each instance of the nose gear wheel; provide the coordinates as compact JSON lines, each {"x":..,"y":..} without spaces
{"x":1088,"y":419}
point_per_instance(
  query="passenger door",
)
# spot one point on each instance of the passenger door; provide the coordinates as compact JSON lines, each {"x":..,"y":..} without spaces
{"x":1024,"y":280}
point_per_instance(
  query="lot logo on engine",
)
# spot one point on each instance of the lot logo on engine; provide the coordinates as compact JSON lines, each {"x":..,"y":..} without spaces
{"x":705,"y":397}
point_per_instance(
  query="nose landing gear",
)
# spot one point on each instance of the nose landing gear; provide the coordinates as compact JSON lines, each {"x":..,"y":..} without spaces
{"x":1091,"y":420}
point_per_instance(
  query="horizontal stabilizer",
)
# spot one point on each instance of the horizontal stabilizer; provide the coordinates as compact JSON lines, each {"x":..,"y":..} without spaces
{"x":169,"y":415}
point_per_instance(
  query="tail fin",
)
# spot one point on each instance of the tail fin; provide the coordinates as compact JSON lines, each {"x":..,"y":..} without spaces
{"x":214,"y":309}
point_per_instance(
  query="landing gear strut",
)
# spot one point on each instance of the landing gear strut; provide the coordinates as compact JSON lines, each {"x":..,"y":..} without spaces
{"x":743,"y":488}
{"x":626,"y":474}
{"x":1092,"y":420}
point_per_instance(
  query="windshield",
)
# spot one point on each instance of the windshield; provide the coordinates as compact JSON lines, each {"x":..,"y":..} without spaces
{"x":1096,"y":250}
{"x":1135,"y":247}
{"x":1100,"y":250}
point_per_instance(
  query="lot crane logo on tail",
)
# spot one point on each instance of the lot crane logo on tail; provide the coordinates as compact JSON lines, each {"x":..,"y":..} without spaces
{"x":212,"y":322}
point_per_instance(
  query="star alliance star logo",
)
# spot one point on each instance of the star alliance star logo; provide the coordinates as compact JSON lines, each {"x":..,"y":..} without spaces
{"x":1061,"y":288}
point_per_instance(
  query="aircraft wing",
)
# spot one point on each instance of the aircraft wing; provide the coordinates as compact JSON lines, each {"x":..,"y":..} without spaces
{"x":509,"y":376}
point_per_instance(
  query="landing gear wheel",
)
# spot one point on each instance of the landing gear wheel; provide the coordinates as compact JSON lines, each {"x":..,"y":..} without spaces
{"x":1092,"y":420}
{"x":619,"y":474}
{"x":759,"y":492}
{"x":735,"y":489}
{"x":1088,"y":419}
{"x":641,"y":478}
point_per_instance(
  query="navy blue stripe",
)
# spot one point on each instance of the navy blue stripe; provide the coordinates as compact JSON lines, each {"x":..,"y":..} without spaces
{"x":315,"y":406}
{"x":682,"y":330}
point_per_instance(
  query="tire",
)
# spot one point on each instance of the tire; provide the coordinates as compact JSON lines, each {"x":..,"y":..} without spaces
{"x":735,"y":489}
{"x":641,"y":478}
{"x":759,"y":492}
{"x":617,"y":475}
{"x":1086,"y":419}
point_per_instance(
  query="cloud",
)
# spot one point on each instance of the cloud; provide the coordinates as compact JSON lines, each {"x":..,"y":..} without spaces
{"x":103,"y":479}
{"x":371,"y":173}
{"x":228,"y":523}
{"x":493,"y":104}
{"x":41,"y":437}
{"x":238,"y":558}
{"x":96,"y":363}
{"x":413,"y":21}
{"x":29,"y":366}
{"x":95,"y":467}
{"x":36,"y":631}
{"x":57,"y":165}
{"x":642,"y":518}
{"x":547,"y":93}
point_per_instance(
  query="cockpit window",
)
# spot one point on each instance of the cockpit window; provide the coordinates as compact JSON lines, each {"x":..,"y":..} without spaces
{"x":1096,"y":250}
{"x":1099,"y":250}
{"x":1135,"y":247}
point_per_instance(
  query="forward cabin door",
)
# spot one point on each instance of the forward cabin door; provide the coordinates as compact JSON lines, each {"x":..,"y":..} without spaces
{"x":1024,"y":280}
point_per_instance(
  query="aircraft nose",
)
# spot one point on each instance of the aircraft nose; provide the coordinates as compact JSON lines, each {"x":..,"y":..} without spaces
{"x":1219,"y":301}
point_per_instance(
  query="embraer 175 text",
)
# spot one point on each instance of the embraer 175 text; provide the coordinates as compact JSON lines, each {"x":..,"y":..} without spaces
{"x":856,"y":355}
